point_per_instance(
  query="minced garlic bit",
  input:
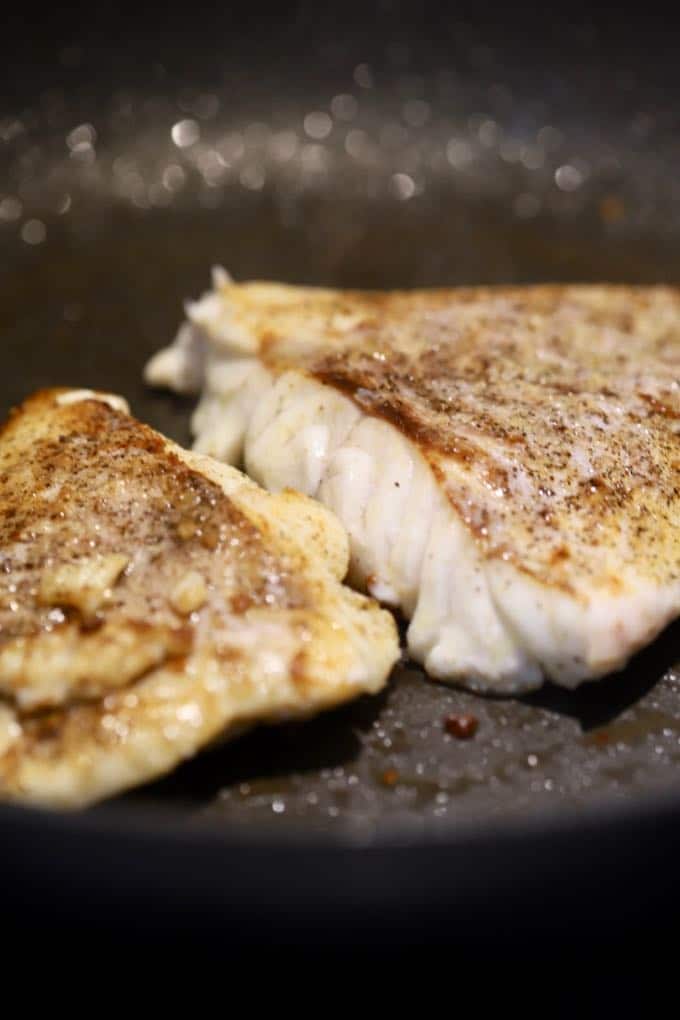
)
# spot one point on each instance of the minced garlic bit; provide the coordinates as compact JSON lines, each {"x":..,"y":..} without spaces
{"x":82,"y":584}
{"x":10,"y":730}
{"x":189,"y":594}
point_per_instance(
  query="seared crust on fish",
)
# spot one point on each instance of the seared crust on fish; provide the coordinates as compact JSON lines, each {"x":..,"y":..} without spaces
{"x":514,"y":454}
{"x":153,"y":600}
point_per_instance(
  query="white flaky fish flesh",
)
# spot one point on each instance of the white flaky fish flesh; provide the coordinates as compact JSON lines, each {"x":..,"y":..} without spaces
{"x":506,"y":461}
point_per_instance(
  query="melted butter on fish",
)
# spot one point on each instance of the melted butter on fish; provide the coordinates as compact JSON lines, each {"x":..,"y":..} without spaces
{"x":153,"y":600}
{"x":506,"y":460}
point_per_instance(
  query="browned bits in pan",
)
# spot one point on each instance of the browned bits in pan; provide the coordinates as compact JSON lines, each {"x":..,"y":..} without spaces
{"x":462,"y":725}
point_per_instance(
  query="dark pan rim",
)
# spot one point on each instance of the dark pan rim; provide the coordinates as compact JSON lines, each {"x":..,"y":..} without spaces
{"x":609,"y":864}
{"x":160,"y":823}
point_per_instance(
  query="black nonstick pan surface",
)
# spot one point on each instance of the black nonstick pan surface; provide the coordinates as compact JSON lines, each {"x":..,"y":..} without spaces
{"x":397,"y":146}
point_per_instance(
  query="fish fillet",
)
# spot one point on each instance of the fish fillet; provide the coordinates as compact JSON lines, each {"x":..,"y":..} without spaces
{"x":506,"y":461}
{"x":153,"y":600}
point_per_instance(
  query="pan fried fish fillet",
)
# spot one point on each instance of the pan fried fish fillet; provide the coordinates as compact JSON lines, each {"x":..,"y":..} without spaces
{"x":153,"y":600}
{"x":506,"y":461}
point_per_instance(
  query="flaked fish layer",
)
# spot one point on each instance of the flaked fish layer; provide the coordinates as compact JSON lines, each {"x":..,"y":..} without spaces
{"x":506,"y":461}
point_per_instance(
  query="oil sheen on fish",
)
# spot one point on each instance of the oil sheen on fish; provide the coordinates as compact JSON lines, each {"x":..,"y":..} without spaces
{"x":506,"y":461}
{"x":153,"y":600}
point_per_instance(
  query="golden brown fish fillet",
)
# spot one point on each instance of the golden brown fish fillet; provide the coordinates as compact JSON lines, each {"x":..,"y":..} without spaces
{"x":153,"y":600}
{"x":505,"y":460}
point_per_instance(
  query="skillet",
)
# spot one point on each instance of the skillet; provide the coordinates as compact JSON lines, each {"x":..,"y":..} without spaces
{"x":401,"y":145}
